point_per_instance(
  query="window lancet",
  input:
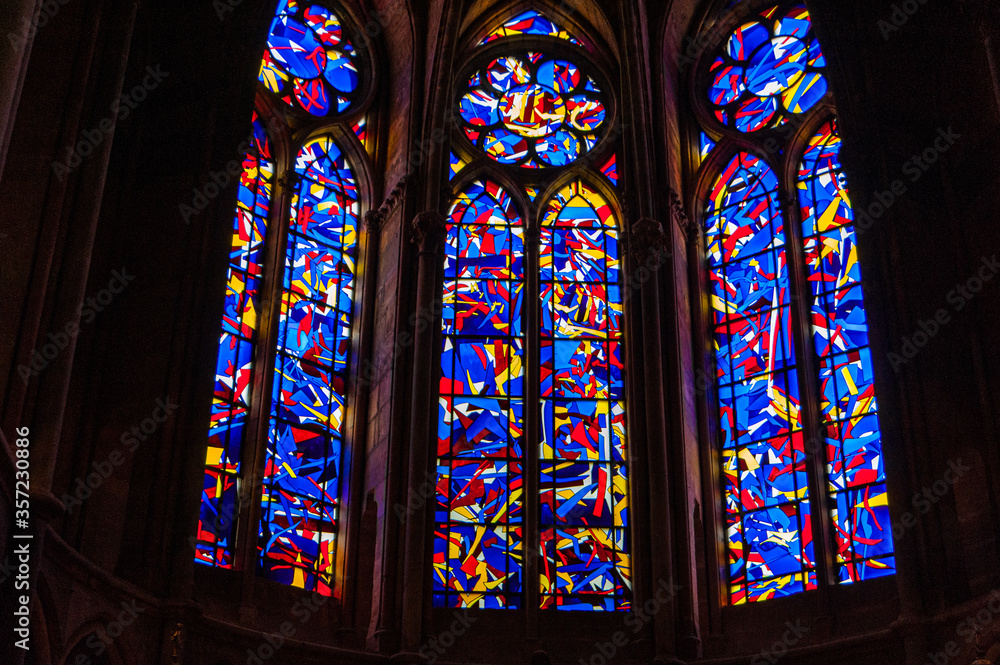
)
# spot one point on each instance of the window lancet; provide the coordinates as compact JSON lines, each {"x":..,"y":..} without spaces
{"x":584,"y":456}
{"x":479,"y":534}
{"x":234,"y":370}
{"x":550,"y":398}
{"x":767,"y":496}
{"x":769,"y":68}
{"x":848,"y":407}
{"x":279,"y":425}
{"x":300,"y":501}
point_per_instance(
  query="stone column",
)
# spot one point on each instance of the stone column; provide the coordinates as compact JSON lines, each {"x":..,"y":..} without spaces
{"x":428,"y":234}
{"x":683,"y":454}
{"x":70,"y":222}
{"x":69,"y":279}
{"x":647,"y":242}
{"x":18,"y":22}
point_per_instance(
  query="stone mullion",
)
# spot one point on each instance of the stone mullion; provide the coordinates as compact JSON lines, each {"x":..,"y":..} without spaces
{"x":401,"y":601}
{"x":679,"y":464}
{"x":813,"y":429}
{"x":707,"y":398}
{"x":361,"y":382}
{"x":636,"y":458}
{"x":254,"y":453}
{"x":386,"y":635}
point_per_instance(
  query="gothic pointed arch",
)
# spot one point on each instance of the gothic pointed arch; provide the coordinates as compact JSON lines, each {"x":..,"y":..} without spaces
{"x":801,"y":487}
{"x":283,"y":425}
{"x":532,"y":447}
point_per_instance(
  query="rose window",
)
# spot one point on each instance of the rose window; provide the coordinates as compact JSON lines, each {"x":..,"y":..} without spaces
{"x":769,"y":68}
{"x":533,"y":111}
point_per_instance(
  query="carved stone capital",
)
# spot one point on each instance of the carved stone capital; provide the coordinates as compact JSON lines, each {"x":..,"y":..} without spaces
{"x":428,"y":230}
{"x":374,"y":220}
{"x":646,"y":240}
{"x":289,"y":180}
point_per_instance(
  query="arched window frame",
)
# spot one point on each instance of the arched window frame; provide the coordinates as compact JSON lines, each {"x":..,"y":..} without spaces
{"x":782,"y":148}
{"x":477,"y":166}
{"x":289,"y":128}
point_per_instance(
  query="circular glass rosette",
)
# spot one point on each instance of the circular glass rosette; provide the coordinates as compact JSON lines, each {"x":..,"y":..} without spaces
{"x":533,"y":110}
{"x":309,"y":62}
{"x":768,"y":68}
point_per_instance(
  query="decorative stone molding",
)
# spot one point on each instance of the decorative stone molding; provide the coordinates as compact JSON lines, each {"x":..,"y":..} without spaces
{"x":394,"y":197}
{"x":375,"y":219}
{"x":680,"y":217}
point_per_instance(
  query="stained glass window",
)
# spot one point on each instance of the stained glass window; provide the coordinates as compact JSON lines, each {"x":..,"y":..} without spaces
{"x":478,"y":544}
{"x":303,"y":355}
{"x":583,"y":457}
{"x":766,"y":492}
{"x":531,"y":113}
{"x":859,"y":502}
{"x":310,"y":62}
{"x":610,"y":169}
{"x":533,"y":110}
{"x":769,"y":68}
{"x":234,"y":369}
{"x":706,"y":145}
{"x":300,"y":503}
{"x":530,"y":23}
